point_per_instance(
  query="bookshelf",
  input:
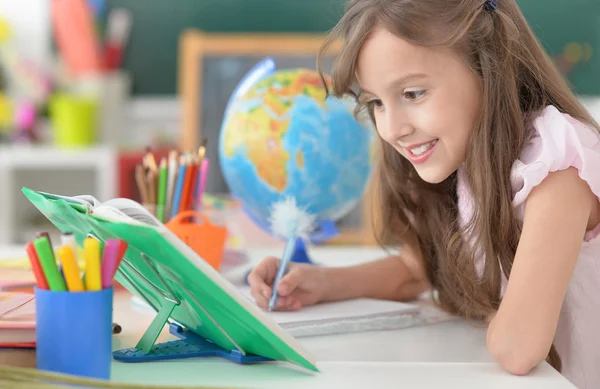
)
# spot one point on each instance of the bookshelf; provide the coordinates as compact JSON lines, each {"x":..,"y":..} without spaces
{"x":46,"y":168}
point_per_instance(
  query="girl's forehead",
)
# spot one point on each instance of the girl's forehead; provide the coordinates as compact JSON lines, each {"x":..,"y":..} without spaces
{"x":385,"y":55}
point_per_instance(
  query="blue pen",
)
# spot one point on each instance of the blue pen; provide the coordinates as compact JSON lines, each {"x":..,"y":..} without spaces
{"x":283,"y":265}
{"x":289,"y":222}
{"x":178,"y":187}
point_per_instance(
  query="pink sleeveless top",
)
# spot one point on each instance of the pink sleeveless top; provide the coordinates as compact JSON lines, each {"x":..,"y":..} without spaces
{"x":561,"y":142}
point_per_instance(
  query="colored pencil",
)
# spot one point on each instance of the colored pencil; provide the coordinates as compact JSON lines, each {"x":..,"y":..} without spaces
{"x":191,"y":196}
{"x":152,"y":190}
{"x":202,"y":181}
{"x":162,"y":191}
{"x":172,"y":176}
{"x":141,"y":183}
{"x":150,"y":160}
{"x":173,"y":186}
{"x":185,"y":194}
{"x":178,"y":187}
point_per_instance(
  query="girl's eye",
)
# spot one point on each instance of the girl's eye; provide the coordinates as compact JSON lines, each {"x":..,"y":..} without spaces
{"x":414,"y":94}
{"x":376,"y":103}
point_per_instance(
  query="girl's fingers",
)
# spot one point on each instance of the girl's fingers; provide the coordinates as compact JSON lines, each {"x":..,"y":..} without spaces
{"x":259,"y":298}
{"x":265,"y":291}
{"x":282,"y":303}
{"x":264,"y":273}
{"x":256,"y":281}
{"x":290,"y":282}
{"x":288,"y":304}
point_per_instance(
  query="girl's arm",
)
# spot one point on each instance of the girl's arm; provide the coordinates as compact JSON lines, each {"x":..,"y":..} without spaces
{"x":400,"y":278}
{"x":557,"y":214}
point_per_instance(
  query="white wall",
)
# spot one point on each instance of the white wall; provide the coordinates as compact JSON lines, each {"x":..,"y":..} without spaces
{"x":593,"y":105}
{"x":30,"y":21}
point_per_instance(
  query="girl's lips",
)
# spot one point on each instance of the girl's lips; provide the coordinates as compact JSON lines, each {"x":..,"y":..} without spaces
{"x":419,"y":153}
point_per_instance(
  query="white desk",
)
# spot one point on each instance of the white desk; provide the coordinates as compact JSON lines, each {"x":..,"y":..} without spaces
{"x":444,"y":355}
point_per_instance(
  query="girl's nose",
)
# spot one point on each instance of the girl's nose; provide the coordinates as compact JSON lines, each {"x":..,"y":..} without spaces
{"x":395,"y":127}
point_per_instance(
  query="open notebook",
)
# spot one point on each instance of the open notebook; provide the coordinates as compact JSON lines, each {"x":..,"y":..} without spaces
{"x":348,"y":316}
{"x":357,"y":315}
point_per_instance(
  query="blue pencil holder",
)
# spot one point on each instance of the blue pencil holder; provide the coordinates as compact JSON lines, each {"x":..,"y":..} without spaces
{"x":74,"y":332}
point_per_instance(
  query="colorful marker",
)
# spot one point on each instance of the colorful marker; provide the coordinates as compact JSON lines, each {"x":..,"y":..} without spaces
{"x":38,"y":272}
{"x":109,"y":260}
{"x":48,"y":262}
{"x":70,"y":269}
{"x":91,"y":250}
{"x":47,"y":235}
{"x":68,"y":239}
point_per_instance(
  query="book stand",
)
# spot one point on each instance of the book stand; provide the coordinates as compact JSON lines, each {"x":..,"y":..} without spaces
{"x":206,"y":314}
{"x":189,"y":343}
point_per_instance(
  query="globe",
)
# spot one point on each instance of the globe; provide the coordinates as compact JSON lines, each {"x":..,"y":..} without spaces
{"x":282,"y":137}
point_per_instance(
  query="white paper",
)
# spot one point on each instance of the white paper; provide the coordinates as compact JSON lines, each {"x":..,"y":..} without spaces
{"x":344,"y":310}
{"x":348,"y":316}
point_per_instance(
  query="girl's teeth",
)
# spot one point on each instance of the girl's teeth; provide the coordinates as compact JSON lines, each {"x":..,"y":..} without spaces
{"x":423,"y":148}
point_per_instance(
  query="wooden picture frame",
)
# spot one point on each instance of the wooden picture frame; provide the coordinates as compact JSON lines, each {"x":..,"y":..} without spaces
{"x":196,"y":46}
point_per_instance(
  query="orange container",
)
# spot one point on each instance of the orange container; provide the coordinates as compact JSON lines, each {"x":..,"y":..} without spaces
{"x":205,"y":238}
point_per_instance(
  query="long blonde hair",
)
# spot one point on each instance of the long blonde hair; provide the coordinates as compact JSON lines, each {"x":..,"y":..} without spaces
{"x":518,"y":80}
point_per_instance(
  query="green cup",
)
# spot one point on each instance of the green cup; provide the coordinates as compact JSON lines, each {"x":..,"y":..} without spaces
{"x":74,"y":120}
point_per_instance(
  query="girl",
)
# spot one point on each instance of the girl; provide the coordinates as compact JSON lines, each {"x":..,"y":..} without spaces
{"x":489,"y":180}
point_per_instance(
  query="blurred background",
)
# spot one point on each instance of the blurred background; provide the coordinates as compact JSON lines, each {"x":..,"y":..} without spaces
{"x":86,"y":86}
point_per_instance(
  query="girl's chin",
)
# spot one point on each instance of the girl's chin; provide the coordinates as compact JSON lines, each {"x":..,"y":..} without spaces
{"x":434,"y":174}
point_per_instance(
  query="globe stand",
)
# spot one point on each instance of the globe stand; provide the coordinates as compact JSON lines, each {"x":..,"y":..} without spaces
{"x":325,"y":231}
{"x":300,"y":255}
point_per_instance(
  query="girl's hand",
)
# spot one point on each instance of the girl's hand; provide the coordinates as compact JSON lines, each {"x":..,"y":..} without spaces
{"x":302,"y":285}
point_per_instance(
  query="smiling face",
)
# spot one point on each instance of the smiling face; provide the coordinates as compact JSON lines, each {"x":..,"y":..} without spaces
{"x":425,"y":101}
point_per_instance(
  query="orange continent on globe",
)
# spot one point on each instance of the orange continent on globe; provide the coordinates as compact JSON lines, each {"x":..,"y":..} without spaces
{"x":261,"y":128}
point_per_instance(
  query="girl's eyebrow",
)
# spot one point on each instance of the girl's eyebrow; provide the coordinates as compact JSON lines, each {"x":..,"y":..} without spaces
{"x":400,"y":81}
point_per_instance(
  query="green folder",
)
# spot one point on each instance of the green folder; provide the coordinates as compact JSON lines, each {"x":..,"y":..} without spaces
{"x":161,"y":269}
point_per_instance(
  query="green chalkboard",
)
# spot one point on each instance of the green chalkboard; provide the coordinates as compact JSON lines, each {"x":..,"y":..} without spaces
{"x":152,"y":55}
{"x":569,"y":30}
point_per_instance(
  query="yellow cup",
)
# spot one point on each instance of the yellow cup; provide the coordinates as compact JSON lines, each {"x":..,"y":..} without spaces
{"x":74,"y":120}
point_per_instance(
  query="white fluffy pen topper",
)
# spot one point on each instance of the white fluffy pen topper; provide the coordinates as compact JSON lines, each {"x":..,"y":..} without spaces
{"x":291,"y":223}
